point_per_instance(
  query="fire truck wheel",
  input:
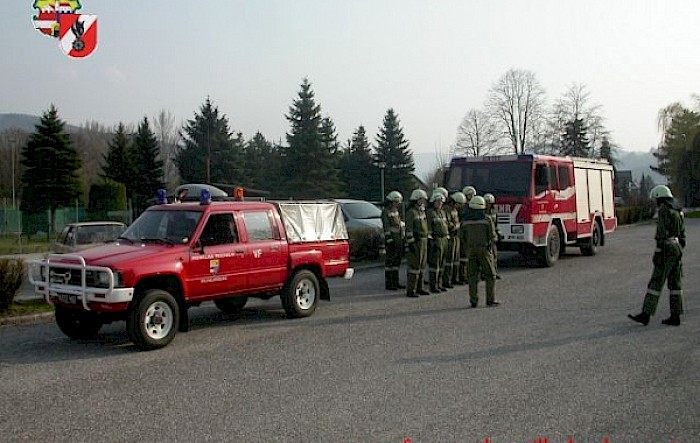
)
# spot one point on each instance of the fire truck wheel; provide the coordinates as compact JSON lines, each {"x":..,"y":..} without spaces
{"x":592,"y":247}
{"x":231,"y":305}
{"x":77,"y":324}
{"x":153,"y":319}
{"x":549,"y":254}
{"x":301,"y":294}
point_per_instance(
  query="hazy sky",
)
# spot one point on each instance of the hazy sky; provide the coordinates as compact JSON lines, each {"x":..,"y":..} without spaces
{"x":431,"y":61}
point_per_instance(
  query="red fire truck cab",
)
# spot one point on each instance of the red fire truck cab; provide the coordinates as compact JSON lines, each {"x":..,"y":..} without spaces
{"x":175,"y":256}
{"x":543,"y":203}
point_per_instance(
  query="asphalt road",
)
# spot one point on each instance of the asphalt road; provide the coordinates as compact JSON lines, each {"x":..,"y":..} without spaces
{"x":558,"y":360}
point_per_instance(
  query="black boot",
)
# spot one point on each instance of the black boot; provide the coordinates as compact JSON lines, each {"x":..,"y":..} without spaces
{"x":642,"y":318}
{"x":673,"y":320}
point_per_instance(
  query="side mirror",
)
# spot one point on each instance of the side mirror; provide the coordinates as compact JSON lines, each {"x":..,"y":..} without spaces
{"x":198,"y":247}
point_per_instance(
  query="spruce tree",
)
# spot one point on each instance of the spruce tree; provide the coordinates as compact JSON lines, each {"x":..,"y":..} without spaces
{"x":209,"y":153}
{"x":393,"y":152}
{"x":50,"y":179}
{"x":574,"y":140}
{"x":358,"y":169}
{"x":310,"y":169}
{"x":117,"y":162}
{"x":148,"y":168}
{"x":262,"y":162}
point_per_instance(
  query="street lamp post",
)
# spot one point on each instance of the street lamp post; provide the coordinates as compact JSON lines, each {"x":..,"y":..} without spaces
{"x":382,"y":166}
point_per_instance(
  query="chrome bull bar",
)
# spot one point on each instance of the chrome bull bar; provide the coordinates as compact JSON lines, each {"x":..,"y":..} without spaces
{"x":51,"y":285}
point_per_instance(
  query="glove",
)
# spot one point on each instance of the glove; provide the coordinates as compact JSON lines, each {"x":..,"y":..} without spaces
{"x":682,"y":242}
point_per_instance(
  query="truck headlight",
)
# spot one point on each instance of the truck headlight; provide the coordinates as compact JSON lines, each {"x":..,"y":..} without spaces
{"x":517,"y":229}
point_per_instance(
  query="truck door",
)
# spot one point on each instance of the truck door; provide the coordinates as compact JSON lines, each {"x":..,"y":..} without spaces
{"x":267,"y":266}
{"x":220,"y":267}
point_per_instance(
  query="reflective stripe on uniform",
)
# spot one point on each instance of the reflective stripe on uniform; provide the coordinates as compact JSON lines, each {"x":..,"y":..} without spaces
{"x":653,"y":292}
{"x":414,"y":271}
{"x":676,"y":292}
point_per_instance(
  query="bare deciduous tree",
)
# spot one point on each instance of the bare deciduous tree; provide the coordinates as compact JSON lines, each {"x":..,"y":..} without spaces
{"x":516,"y":101}
{"x":168,"y":136}
{"x":91,"y":142}
{"x":476,"y":135}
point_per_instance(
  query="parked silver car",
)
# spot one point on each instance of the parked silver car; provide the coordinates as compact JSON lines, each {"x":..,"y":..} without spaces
{"x":83,"y":235}
{"x":364,"y":222}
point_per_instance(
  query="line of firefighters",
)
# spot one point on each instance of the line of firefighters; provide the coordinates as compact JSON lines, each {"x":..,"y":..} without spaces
{"x":455,"y":236}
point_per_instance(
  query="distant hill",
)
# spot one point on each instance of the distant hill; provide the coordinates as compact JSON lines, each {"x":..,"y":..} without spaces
{"x":25,"y":122}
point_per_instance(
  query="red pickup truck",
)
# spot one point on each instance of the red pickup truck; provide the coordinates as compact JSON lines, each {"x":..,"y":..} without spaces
{"x":175,"y":256}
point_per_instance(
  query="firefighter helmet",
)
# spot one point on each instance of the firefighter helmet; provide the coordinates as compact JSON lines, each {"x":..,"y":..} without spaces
{"x":477,"y":202}
{"x":489,"y":198}
{"x":459,"y":197}
{"x":437,"y":195}
{"x":443,"y":191}
{"x":395,"y":196}
{"x":469,"y":191}
{"x":660,"y":191}
{"x":417,"y":194}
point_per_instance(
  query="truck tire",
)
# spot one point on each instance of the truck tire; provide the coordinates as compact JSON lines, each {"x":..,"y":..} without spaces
{"x":300,"y":295}
{"x":231,"y":305}
{"x":153,"y":319}
{"x":79,"y":325}
{"x":549,"y":254}
{"x":591,"y":248}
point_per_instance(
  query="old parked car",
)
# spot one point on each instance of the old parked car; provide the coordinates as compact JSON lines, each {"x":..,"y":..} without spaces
{"x":364,"y":222}
{"x":82,"y":235}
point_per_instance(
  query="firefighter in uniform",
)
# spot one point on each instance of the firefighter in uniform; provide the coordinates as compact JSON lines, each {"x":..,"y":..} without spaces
{"x":480,"y":234}
{"x":469,"y":193}
{"x":670,"y":241}
{"x":417,"y":243}
{"x":437,"y":244}
{"x":393,"y":240}
{"x":452,"y":208}
{"x":491,"y":212}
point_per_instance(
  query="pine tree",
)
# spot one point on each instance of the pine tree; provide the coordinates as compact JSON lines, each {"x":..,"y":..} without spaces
{"x":262,"y":162}
{"x":358,"y":169}
{"x":117,"y":162}
{"x":52,"y":163}
{"x":310,"y":169}
{"x":393,"y":151}
{"x":148,"y":168}
{"x":574,"y":140}
{"x":209,"y":153}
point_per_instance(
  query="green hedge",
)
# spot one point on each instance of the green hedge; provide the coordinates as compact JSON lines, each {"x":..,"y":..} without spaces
{"x":627,"y":215}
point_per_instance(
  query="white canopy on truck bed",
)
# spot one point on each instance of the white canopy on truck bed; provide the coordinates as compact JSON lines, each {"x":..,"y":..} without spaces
{"x":313,"y":221}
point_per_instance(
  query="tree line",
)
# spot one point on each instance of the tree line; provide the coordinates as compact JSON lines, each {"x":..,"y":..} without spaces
{"x":312,"y":164}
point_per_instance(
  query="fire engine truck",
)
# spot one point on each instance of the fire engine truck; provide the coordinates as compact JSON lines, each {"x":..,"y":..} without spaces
{"x":543,"y":203}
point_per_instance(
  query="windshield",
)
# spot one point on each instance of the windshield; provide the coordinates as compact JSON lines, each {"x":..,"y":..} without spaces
{"x":361,"y":210}
{"x":163,"y":226}
{"x":501,"y":179}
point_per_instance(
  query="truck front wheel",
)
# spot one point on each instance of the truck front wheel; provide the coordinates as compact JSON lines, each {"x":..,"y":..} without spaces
{"x":301,"y":294}
{"x":79,"y":325}
{"x":153,"y":319}
{"x":549,"y":254}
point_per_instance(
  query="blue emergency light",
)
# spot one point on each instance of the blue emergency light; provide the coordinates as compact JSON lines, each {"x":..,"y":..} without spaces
{"x":162,"y":196}
{"x":205,"y":197}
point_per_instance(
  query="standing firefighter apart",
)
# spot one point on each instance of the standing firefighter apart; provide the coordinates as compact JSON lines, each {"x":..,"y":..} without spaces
{"x":437,"y":244}
{"x":480,"y":234}
{"x":393,"y":239}
{"x":417,"y":243}
{"x":670,"y":241}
